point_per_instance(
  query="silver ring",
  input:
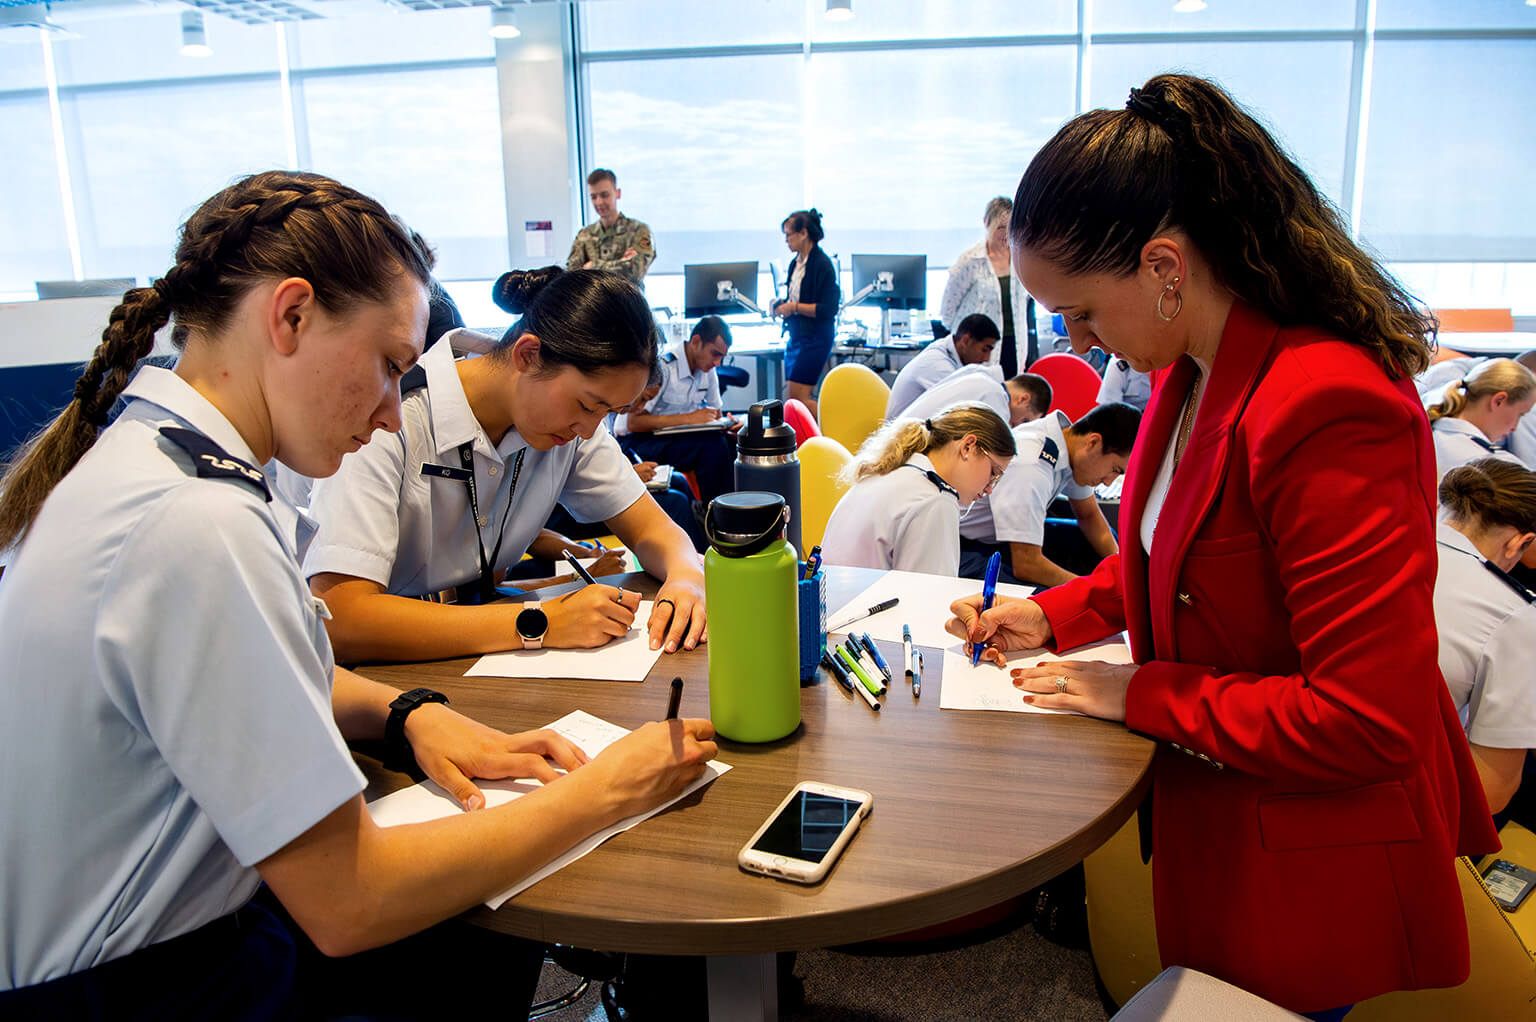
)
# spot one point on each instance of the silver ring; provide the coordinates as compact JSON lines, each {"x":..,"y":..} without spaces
{"x":1061,"y":685}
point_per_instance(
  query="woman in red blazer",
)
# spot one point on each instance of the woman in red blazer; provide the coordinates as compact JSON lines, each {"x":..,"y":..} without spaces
{"x":1277,"y":564}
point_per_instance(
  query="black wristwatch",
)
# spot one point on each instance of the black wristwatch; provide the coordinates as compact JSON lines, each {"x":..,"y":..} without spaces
{"x":398,"y":754}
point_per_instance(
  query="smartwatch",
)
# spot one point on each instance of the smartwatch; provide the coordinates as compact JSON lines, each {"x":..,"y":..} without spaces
{"x":532,"y":623}
{"x":398,"y":754}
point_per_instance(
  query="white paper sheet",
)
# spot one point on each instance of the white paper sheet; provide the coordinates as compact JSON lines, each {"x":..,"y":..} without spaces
{"x":989,"y":687}
{"x":426,"y":801}
{"x":627,"y":658}
{"x":563,"y":567}
{"x":924,"y":605}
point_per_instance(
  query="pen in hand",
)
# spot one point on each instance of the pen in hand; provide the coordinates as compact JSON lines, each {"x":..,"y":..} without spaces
{"x":582,"y":573}
{"x":675,"y":699}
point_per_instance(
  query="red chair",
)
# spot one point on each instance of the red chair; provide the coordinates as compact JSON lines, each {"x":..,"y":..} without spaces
{"x":1074,"y":384}
{"x":800,"y":417}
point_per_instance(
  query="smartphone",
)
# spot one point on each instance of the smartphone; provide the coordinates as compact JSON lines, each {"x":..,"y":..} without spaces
{"x":1509,"y":883}
{"x":807,"y":832}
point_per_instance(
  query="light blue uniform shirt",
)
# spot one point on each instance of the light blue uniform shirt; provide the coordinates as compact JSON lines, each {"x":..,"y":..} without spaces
{"x":682,"y":389}
{"x":1487,"y":646}
{"x":1014,"y":512}
{"x":902,"y":520}
{"x":982,"y":383}
{"x":926,"y":368}
{"x":1458,"y":442}
{"x":379,"y":518}
{"x":168,"y":693}
{"x":1122,"y":383}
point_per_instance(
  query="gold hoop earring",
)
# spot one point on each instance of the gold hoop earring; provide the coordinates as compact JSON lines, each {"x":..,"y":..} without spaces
{"x":1170,"y":288}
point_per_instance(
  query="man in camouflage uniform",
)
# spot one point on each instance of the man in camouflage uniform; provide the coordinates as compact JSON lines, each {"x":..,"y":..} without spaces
{"x":615,"y":242}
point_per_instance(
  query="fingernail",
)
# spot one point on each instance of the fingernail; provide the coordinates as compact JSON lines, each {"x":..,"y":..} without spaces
{"x":655,"y":644}
{"x":671,"y":647}
{"x":475,"y":802}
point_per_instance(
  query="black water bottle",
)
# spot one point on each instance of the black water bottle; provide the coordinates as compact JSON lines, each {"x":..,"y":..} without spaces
{"x":766,"y":460}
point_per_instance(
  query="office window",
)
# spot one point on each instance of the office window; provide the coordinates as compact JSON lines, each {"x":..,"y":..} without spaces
{"x":22,"y":67}
{"x":142,"y":158}
{"x":147,"y":47}
{"x":707,"y":151}
{"x":956,"y":19}
{"x":425,"y":143}
{"x":904,"y":149}
{"x":670,"y":24}
{"x":1299,"y":90}
{"x":394,"y":36}
{"x":1223,"y":16}
{"x":1392,"y":14}
{"x":1449,"y":151}
{"x":35,"y":246}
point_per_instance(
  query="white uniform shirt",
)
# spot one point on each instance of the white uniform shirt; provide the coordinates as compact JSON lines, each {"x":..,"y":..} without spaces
{"x":1458,"y":442}
{"x":1015,"y":510}
{"x":1487,"y":646}
{"x":1431,"y":383}
{"x":902,"y":520}
{"x":168,"y":684}
{"x":972,"y":287}
{"x":982,"y":383}
{"x":926,"y":368}
{"x":1522,"y":442}
{"x":1122,"y":383}
{"x":682,"y":389}
{"x":381,"y":519}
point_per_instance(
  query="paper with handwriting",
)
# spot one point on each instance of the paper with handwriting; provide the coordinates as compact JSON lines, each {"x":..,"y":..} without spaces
{"x":627,"y":658}
{"x":989,"y":687}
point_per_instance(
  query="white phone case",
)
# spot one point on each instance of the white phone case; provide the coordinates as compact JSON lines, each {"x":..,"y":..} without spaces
{"x":784,"y":867}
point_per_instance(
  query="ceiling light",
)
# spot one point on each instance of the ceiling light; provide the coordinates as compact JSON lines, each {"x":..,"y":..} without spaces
{"x":839,"y":10}
{"x":194,"y":40}
{"x":504,"y":23}
{"x":1189,"y":6}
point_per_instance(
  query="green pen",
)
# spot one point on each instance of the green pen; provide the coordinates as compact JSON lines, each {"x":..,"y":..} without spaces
{"x":858,"y":671}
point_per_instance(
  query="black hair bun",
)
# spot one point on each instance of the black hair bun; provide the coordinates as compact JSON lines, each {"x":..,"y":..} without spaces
{"x":515,"y":290}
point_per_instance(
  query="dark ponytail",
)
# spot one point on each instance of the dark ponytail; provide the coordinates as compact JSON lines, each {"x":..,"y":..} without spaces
{"x":1183,"y":155}
{"x":590,"y":320}
{"x":807,"y":220}
{"x":1490,"y":492}
{"x":267,"y":226}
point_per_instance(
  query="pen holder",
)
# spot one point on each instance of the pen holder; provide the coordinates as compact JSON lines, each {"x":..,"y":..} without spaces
{"x":812,"y":593}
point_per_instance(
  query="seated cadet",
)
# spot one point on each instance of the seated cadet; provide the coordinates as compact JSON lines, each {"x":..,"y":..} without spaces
{"x":910,"y":521}
{"x":1487,"y":620}
{"x":1479,"y":411}
{"x":971,"y":344}
{"x":1054,"y":457}
{"x":488,"y":446}
{"x":1522,"y":442}
{"x":689,"y":395}
{"x":1126,"y":385}
{"x":1024,"y":398}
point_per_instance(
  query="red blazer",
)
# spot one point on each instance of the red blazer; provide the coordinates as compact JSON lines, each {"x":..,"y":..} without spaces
{"x":1285,"y":628}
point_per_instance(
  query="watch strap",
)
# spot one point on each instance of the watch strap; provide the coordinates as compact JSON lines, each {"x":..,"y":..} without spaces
{"x":398,"y":754}
{"x":537,"y":642}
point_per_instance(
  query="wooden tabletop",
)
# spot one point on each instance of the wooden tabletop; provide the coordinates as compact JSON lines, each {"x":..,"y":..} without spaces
{"x":970,"y":808}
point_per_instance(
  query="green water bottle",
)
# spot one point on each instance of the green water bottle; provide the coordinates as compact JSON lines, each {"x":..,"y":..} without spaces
{"x":754,"y":634}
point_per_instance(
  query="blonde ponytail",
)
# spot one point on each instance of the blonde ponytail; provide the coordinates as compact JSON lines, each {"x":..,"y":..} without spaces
{"x":890,"y":447}
{"x":1492,"y":377}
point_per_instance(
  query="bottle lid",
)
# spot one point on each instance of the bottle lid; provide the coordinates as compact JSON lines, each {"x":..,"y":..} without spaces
{"x":776,"y":438}
{"x":742,"y":523}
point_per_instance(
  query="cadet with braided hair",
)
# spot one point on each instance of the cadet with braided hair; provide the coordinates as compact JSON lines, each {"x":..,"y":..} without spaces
{"x":910,"y":521}
{"x":1277,"y":573}
{"x":175,"y":732}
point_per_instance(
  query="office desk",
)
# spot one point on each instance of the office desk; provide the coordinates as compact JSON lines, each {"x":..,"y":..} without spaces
{"x":764,"y":344}
{"x":1489,"y":344}
{"x":970,"y":808}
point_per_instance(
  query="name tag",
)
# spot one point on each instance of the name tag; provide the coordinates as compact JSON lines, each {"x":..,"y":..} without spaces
{"x":461,"y":475}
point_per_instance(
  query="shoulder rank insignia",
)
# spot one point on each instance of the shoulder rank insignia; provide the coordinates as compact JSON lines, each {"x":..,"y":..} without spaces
{"x":213,"y":461}
{"x":1049,"y":452}
{"x":1485,"y":444}
{"x":935,"y":479}
{"x":669,"y":356}
{"x":1510,"y":580}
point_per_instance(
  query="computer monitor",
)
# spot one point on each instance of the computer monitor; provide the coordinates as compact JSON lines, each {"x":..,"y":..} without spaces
{"x":98,"y":288}
{"x":708,"y":288}
{"x":901,"y":280}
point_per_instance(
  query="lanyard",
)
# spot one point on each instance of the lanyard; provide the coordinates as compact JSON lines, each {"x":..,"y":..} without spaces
{"x":487,"y":590}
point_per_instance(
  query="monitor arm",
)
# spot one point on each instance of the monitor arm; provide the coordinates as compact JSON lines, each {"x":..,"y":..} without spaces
{"x":725,"y":291}
{"x":884,"y":281}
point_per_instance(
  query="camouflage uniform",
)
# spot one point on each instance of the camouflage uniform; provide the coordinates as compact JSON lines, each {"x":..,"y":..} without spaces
{"x":604,"y":248}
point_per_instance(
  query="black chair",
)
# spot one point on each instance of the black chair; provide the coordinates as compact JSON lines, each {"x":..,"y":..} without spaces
{"x":731,"y":376}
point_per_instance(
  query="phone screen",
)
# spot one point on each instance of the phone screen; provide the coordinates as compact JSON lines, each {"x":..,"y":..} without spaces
{"x":807,"y":827}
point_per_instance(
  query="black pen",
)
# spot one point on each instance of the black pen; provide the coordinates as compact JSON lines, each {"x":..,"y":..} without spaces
{"x":675,"y":699}
{"x":836,"y":670}
{"x":583,"y":573}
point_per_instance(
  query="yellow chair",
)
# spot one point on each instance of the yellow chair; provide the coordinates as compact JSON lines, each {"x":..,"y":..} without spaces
{"x":1502,"y":984}
{"x":852,"y":403}
{"x":822,"y":460}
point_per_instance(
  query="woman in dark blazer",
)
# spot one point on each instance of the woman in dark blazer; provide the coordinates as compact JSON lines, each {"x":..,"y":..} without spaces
{"x":810,"y":309}
{"x":1277,"y":564}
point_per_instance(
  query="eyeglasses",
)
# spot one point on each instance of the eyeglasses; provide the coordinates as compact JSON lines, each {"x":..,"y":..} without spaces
{"x":996,"y":470}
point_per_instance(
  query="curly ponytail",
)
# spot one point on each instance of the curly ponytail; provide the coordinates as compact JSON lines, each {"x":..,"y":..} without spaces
{"x":1183,"y":155}
{"x":889,"y":447}
{"x":267,"y":226}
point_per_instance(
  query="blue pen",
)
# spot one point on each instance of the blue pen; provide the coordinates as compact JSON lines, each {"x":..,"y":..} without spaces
{"x":988,"y":594}
{"x":885,"y":668}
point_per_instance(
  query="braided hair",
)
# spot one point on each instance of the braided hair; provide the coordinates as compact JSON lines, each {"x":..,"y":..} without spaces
{"x":272,"y":225}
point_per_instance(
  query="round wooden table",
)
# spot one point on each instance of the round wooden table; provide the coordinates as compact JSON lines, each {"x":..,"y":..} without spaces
{"x":970,"y":808}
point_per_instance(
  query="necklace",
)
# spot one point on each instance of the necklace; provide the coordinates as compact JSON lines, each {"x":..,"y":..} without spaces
{"x":1187,"y":423}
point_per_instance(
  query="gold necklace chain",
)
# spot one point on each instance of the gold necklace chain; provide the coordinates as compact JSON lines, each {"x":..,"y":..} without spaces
{"x":1187,"y":423}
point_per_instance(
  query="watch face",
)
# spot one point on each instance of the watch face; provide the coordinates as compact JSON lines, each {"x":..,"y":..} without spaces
{"x":532,"y":623}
